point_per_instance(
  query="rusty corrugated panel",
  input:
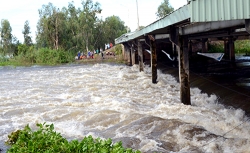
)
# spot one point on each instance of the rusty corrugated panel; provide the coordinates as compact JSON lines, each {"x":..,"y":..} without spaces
{"x":219,"y":10}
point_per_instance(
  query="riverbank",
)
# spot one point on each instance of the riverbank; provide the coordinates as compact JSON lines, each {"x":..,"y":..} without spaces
{"x":98,"y":59}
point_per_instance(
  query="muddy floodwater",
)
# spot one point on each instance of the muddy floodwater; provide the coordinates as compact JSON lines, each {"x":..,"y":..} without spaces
{"x":118,"y":102}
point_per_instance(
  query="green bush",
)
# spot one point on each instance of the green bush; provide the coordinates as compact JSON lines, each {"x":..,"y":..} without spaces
{"x":242,"y":46}
{"x":216,"y":48}
{"x":52,"y":57}
{"x":118,"y":49}
{"x":46,"y":140}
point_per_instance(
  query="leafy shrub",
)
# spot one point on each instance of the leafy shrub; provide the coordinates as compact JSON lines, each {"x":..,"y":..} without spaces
{"x":242,"y":46}
{"x":45,"y":139}
{"x":118,"y":49}
{"x":215,"y":47}
{"x":52,"y":57}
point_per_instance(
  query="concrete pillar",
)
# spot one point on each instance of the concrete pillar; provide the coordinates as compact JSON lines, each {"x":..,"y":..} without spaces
{"x":140,"y":57}
{"x":153,"y":60}
{"x":184,"y":70}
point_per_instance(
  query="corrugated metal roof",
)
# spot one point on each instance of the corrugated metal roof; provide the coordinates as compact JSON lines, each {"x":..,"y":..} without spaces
{"x":176,"y":16}
{"x":197,"y":11}
{"x":219,"y":10}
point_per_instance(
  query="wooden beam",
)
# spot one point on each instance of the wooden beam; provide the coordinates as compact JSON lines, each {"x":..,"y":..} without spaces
{"x":140,"y":56}
{"x":184,"y":70}
{"x":153,"y":58}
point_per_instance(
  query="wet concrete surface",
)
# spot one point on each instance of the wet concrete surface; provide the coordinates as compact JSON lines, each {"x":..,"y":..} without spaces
{"x":229,"y":81}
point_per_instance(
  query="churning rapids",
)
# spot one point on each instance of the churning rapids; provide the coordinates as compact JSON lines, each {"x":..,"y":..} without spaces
{"x":118,"y":102}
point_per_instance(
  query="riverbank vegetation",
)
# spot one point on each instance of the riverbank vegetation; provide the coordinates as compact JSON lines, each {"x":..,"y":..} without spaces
{"x":45,"y":139}
{"x":241,"y":47}
{"x":61,"y":34}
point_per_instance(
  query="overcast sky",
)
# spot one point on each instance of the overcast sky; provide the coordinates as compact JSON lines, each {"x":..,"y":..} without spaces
{"x":18,"y":11}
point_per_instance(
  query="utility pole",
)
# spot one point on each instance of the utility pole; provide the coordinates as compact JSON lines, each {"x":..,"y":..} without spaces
{"x":137,"y":15}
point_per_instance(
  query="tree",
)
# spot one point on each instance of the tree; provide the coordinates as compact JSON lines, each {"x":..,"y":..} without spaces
{"x":50,"y":27}
{"x":87,"y":20}
{"x":26,"y":32}
{"x":73,"y":29}
{"x":6,"y":36}
{"x":113,"y":28}
{"x":164,"y":9}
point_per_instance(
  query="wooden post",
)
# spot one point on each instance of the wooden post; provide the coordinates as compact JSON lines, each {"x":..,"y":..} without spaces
{"x":132,"y":55}
{"x":190,"y":48}
{"x":231,"y":49}
{"x":153,"y":59}
{"x":226,"y":49}
{"x":204,"y":45}
{"x":182,"y":47}
{"x":175,"y":55}
{"x":184,"y":70}
{"x":126,"y":50}
{"x":140,"y":56}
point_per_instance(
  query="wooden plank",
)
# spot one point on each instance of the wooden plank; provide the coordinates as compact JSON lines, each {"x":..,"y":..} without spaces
{"x":140,"y":57}
{"x":184,"y":70}
{"x":153,"y":59}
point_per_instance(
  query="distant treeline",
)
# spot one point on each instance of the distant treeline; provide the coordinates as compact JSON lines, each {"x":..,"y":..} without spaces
{"x":68,"y":29}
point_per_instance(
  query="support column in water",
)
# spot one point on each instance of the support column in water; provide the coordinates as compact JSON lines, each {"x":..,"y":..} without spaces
{"x":140,"y":56}
{"x":231,"y":49}
{"x":184,"y":70}
{"x":153,"y":59}
{"x":133,"y":55}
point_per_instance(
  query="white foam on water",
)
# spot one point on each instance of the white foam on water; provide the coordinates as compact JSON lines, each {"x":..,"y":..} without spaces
{"x":117,"y":101}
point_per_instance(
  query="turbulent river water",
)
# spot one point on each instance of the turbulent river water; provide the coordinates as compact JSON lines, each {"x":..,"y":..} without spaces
{"x":118,"y":102}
